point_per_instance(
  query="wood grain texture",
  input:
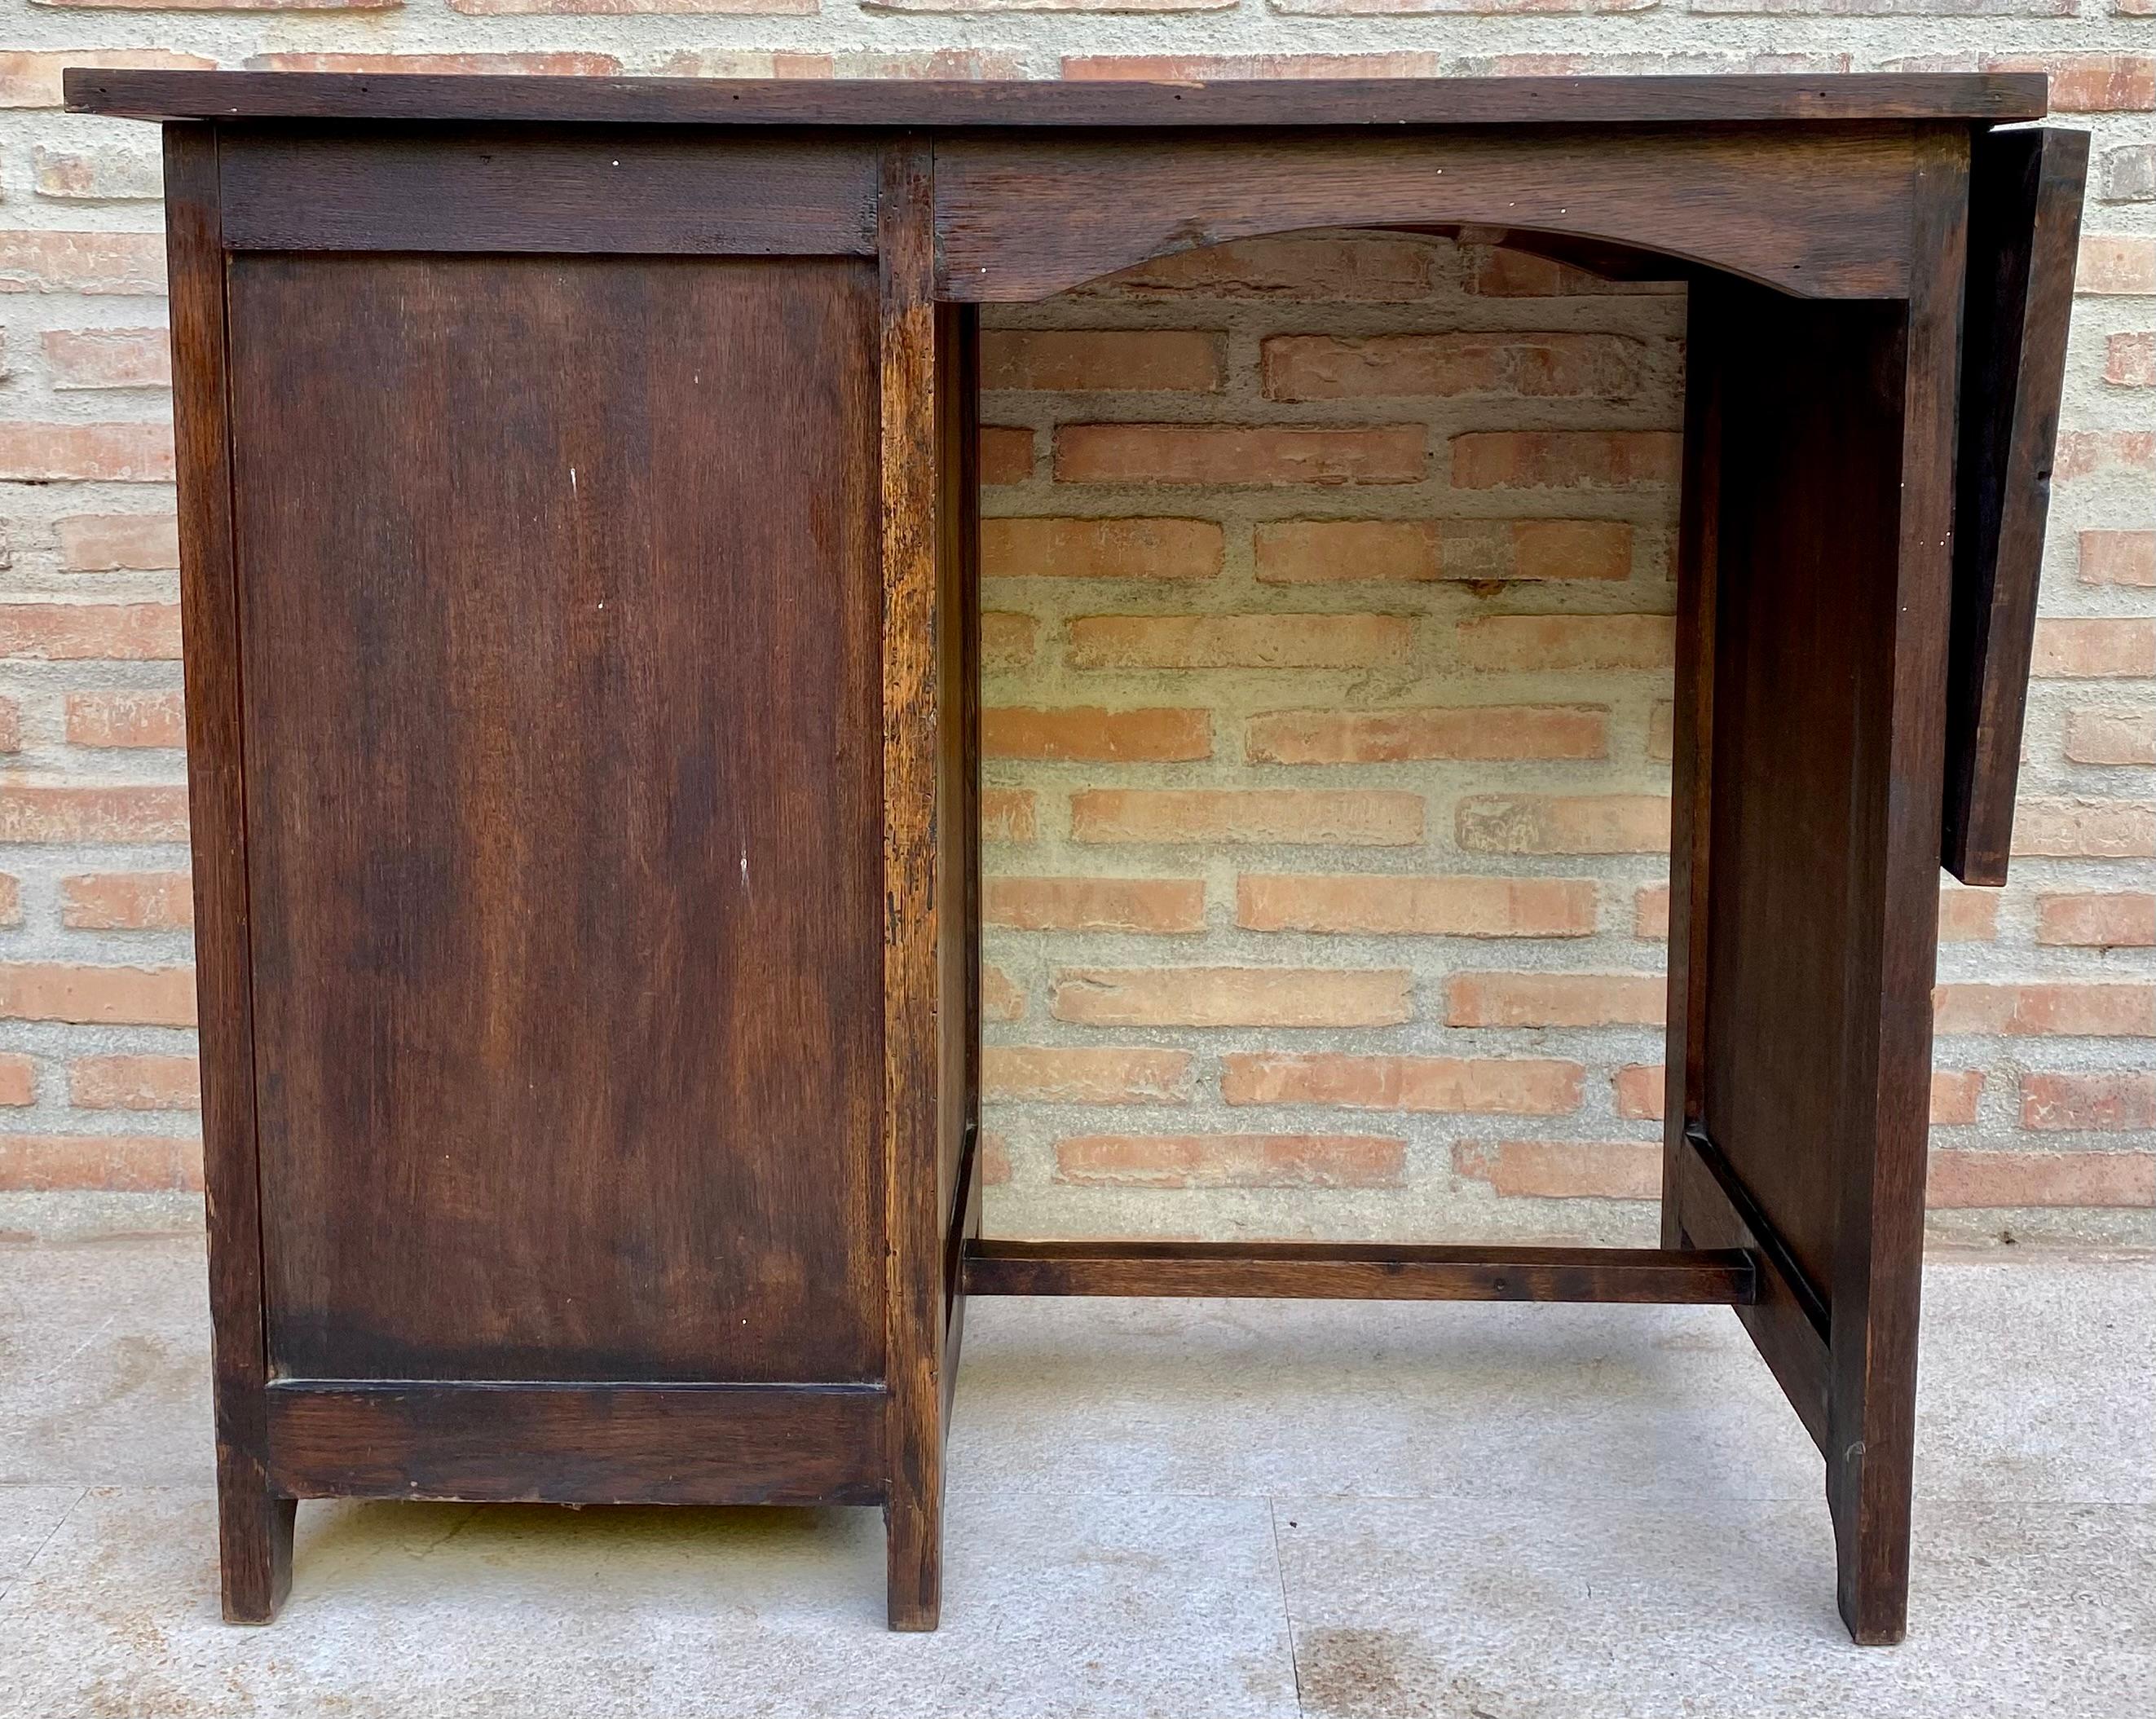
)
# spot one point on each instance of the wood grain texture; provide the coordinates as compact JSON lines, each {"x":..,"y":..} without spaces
{"x":1356,"y":1271}
{"x":2025,"y":230}
{"x":254,"y":1527}
{"x":562,"y":763}
{"x":610,"y":1443}
{"x":602,"y":190}
{"x":1823,"y":214}
{"x":886,"y":103}
{"x":916,"y":1098}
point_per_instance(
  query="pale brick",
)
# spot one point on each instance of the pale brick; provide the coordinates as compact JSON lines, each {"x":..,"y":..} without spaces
{"x":2129,"y":361}
{"x":62,"y":811}
{"x":11,"y":899}
{"x":82,"y":358}
{"x":1003,"y":998}
{"x":2098,"y":829}
{"x":110,"y":1163}
{"x":1200,"y":67}
{"x":1340,"y":551}
{"x":2118,"y":558}
{"x":2124,"y":921}
{"x":1089,"y":733}
{"x":2107,"y":736}
{"x":1560,"y":365}
{"x":1387,"y":906}
{"x":2128,"y":174}
{"x":2096,"y":1103}
{"x":103,"y":176}
{"x":1979,"y":1180}
{"x":1094,"y":904}
{"x":2083,"y":453}
{"x":1009,"y":814}
{"x":1520,"y":1086}
{"x":2042,"y":1008}
{"x":2088,"y":82}
{"x":1008,"y":641}
{"x":34,"y":79}
{"x":109,"y":453}
{"x":1170,"y":549}
{"x":561,"y":64}
{"x":995,"y":1160}
{"x":1651,"y":912}
{"x":134,"y":1082}
{"x":112,"y":542}
{"x":1346,"y":817}
{"x":1325,"y":641}
{"x":1387,"y":271}
{"x":1555,"y":643}
{"x":128,"y":901}
{"x":1501,"y":273}
{"x":1564,"y":824}
{"x":1065,"y":1075}
{"x":1563,"y":459}
{"x":1232,"y":1160}
{"x":126,"y":719}
{"x":1502,"y":999}
{"x":82,"y":262}
{"x":69,"y":631}
{"x":1233,"y":455}
{"x":1563,"y":1169}
{"x":132,"y":996}
{"x":1229,"y":997}
{"x":1186,"y":361}
{"x":1453,"y":732}
{"x":1968,"y":916}
{"x":2094,"y":648}
{"x":18,"y":1079}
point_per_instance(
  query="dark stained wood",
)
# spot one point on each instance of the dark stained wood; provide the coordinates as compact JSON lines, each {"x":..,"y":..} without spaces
{"x":600,"y":190}
{"x":917,"y":1106}
{"x":611,"y":1443}
{"x":892,"y":102}
{"x":564,"y":868}
{"x":2025,"y":229}
{"x":254,"y":1526}
{"x":1356,"y":1271}
{"x":1820,"y":214}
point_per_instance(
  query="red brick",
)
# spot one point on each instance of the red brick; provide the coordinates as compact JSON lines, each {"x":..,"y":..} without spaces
{"x":34,"y":79}
{"x":2102,"y":829}
{"x":111,"y":452}
{"x":2082,"y":453}
{"x":1003,"y":998}
{"x":1504,"y":274}
{"x":134,"y":1083}
{"x":2082,"y":650}
{"x":2088,"y":82}
{"x":18,"y":1079}
{"x":1306,"y":552}
{"x":1638,"y":1090}
{"x":1229,"y":997}
{"x":2118,"y":558}
{"x":134,"y":996}
{"x":227,"y":5}
{"x":1345,"y":817}
{"x":109,"y":357}
{"x":1232,"y":1160}
{"x":1061,"y":1074}
{"x":1323,"y":367}
{"x":1388,"y":906}
{"x":110,"y":542}
{"x":942,"y":64}
{"x":1077,"y":359}
{"x":1555,"y":643}
{"x":112,"y":1164}
{"x":128,"y":901}
{"x":11,"y":899}
{"x":1362,"y":271}
{"x":1651,"y":912}
{"x":2041,"y":1009}
{"x":1100,"y":549}
{"x":2125,"y":921}
{"x":614,"y":9}
{"x":126,"y":719}
{"x":1502,"y":999}
{"x":82,"y":262}
{"x":1008,"y":815}
{"x":1563,"y":459}
{"x":1219,"y":456}
{"x":1201,"y":67}
{"x":1006,"y":456}
{"x":995,"y":1160}
{"x":1241,"y":641}
{"x":1564,"y":824}
{"x":1519,"y":1086}
{"x":2129,"y":361}
{"x":1091,"y":734}
{"x":1662,"y":731}
{"x":122,"y":175}
{"x":1007,"y":640}
{"x":117,"y":631}
{"x":1469,"y":731}
{"x":1955,"y":1094}
{"x":1968,"y":916}
{"x":2008,"y":1179}
{"x":1351,"y":8}
{"x":1563,"y":1169}
{"x":491,"y":65}
{"x":2109,"y":736}
{"x":38,"y":812}
{"x":11,"y":725}
{"x":1094,"y":904}
{"x":2108,"y":1103}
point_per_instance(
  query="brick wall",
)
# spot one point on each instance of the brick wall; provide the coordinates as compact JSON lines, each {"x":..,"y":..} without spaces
{"x":1328,"y":651}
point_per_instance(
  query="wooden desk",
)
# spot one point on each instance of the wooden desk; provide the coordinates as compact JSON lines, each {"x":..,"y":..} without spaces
{"x":578,"y":526}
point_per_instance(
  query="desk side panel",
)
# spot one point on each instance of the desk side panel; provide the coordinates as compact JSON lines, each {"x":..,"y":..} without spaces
{"x":558,"y":616}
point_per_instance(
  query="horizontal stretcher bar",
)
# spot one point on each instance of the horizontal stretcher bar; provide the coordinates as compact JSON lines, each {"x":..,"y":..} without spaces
{"x":1359,"y":1271}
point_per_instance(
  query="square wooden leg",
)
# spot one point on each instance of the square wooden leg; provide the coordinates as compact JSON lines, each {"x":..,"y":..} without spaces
{"x":255,"y":1543}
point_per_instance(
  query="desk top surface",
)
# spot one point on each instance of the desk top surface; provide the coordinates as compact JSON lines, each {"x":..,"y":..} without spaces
{"x":1979,"y":98}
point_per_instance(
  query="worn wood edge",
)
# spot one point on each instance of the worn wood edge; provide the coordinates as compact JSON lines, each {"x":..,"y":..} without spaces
{"x":2004,"y":555}
{"x":554,"y":1442}
{"x":891,"y":103}
{"x":1356,"y":1271}
{"x":1786,"y":1318}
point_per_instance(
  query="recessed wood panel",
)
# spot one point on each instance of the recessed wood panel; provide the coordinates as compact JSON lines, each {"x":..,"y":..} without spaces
{"x":558,"y":618}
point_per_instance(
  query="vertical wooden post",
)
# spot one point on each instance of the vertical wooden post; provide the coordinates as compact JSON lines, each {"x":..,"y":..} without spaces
{"x":254,"y":1527}
{"x":912,"y":1075}
{"x":1879,"y":1257}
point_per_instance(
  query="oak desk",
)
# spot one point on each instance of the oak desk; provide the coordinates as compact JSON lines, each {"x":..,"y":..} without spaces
{"x":577,"y":512}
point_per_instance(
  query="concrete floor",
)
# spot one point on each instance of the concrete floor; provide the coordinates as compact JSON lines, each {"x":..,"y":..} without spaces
{"x":1186,"y":1510}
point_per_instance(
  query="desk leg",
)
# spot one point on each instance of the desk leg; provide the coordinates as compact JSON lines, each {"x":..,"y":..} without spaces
{"x":1810,"y":720}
